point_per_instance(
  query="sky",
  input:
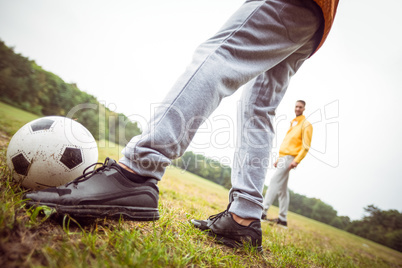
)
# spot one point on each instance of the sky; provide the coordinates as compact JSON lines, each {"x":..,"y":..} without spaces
{"x":129,"y":53}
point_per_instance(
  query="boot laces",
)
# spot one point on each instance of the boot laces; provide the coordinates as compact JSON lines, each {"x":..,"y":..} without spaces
{"x":86,"y":175}
{"x":224,"y":213}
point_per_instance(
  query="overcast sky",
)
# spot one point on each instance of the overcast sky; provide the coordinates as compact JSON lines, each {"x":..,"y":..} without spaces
{"x":129,"y":53}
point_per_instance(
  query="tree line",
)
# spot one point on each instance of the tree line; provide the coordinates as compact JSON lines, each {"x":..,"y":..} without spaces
{"x":25,"y":85}
{"x":205,"y":167}
{"x":383,"y":227}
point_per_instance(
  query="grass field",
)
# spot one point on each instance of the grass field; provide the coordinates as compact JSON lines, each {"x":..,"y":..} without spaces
{"x":30,"y":238}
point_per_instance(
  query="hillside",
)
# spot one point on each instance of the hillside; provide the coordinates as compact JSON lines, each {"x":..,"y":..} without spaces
{"x":33,"y":239}
{"x":25,"y":85}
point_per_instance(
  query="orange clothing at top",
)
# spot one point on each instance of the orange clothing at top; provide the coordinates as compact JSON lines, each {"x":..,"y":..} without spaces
{"x":328,"y":8}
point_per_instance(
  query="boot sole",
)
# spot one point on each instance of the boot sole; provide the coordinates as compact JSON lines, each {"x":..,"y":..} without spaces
{"x":230,"y":242}
{"x":102,"y":211}
{"x":224,"y":240}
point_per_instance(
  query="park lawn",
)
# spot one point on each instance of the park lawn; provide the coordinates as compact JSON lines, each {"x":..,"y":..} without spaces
{"x":30,"y":238}
{"x":11,"y":118}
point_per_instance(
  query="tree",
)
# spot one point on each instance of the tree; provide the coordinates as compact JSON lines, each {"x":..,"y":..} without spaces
{"x":384,"y":227}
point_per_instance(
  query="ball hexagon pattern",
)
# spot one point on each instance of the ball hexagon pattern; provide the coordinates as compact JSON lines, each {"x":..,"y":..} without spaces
{"x":21,"y":164}
{"x":42,"y":124}
{"x":71,"y":157}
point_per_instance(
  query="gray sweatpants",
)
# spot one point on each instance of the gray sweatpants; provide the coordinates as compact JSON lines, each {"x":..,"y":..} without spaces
{"x":264,"y":43}
{"x":278,"y":187}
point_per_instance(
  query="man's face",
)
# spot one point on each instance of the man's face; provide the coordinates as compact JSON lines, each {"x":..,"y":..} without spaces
{"x":299,"y":108}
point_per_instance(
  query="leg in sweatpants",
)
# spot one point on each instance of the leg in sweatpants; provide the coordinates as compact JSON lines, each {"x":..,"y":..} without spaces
{"x":264,"y":41}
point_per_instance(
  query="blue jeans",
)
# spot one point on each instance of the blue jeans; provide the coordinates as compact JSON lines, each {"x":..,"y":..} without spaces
{"x":262,"y":45}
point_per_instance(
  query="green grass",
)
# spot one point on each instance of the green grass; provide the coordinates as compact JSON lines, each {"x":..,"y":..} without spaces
{"x":11,"y":118}
{"x":29,"y":238}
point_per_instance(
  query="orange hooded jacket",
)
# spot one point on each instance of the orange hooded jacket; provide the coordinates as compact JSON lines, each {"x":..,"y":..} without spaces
{"x":328,"y":8}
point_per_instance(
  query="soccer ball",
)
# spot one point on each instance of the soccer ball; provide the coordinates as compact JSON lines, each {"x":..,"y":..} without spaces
{"x":50,"y":151}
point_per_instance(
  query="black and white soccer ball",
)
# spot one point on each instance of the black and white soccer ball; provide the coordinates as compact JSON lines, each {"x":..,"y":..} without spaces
{"x":50,"y":151}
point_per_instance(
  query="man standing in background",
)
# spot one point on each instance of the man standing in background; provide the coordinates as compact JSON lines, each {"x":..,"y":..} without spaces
{"x":293,"y":149}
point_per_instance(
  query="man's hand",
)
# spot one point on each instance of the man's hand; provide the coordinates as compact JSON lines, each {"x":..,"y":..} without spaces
{"x":276,"y":163}
{"x":293,"y":165}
